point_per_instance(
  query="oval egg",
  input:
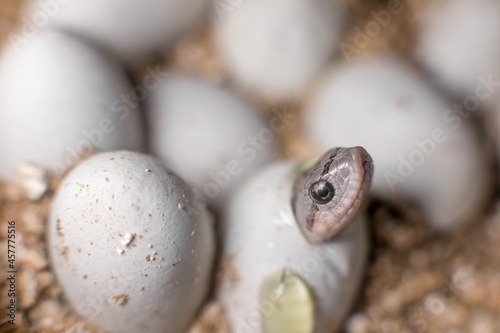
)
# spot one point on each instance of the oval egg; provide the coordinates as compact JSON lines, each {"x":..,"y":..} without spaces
{"x":263,"y":245}
{"x":423,"y":148}
{"x":208,"y":134}
{"x":60,"y":99}
{"x":459,"y":42}
{"x":128,"y":247}
{"x":274,"y":47}
{"x":132,"y":29}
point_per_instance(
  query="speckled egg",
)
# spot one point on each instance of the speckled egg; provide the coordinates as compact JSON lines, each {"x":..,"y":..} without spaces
{"x":209,"y":135}
{"x":459,"y":42}
{"x":130,"y":250}
{"x":133,"y":29}
{"x":274,"y":47}
{"x":426,"y":150}
{"x":263,"y":245}
{"x":61,"y":99}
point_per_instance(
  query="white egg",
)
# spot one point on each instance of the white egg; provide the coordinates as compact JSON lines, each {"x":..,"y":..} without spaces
{"x":133,"y":29}
{"x":422,"y":149}
{"x":60,"y":99}
{"x":459,"y":41}
{"x":274,"y":47}
{"x":130,"y":251}
{"x":208,"y":135}
{"x":262,"y":238}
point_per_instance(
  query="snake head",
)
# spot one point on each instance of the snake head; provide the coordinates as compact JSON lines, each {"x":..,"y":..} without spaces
{"x":328,"y":195}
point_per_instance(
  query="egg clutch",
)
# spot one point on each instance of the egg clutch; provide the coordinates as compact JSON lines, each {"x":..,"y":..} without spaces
{"x":168,"y":193}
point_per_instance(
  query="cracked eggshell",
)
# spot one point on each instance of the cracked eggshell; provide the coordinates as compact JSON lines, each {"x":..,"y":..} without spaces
{"x":459,"y":41}
{"x":274,"y":47}
{"x":133,"y":29}
{"x":201,"y":130}
{"x":59,"y":97}
{"x":423,"y":151}
{"x":261,"y":237}
{"x":130,"y":251}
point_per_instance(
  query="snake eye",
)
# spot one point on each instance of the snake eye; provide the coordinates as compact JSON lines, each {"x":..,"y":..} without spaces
{"x":322,"y":192}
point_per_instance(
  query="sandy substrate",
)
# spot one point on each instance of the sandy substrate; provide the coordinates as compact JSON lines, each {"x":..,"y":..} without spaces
{"x":416,"y":281}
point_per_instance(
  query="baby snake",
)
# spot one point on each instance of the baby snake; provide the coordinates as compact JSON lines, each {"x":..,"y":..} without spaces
{"x":329,"y":194}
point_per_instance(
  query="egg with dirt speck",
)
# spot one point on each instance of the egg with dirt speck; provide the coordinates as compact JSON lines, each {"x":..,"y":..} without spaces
{"x":129,"y":247}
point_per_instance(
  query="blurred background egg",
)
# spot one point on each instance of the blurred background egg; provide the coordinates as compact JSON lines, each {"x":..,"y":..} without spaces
{"x":128,"y":248}
{"x":459,"y":41}
{"x":423,"y":148}
{"x":208,"y":134}
{"x":274,"y":47}
{"x":60,"y":99}
{"x":133,"y":29}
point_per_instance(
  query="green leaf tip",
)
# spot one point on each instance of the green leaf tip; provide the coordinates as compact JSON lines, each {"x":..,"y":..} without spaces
{"x":286,"y":304}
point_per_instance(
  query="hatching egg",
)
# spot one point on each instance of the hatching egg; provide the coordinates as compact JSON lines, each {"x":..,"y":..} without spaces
{"x":60,"y":99}
{"x":273,"y":279}
{"x":130,"y":250}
